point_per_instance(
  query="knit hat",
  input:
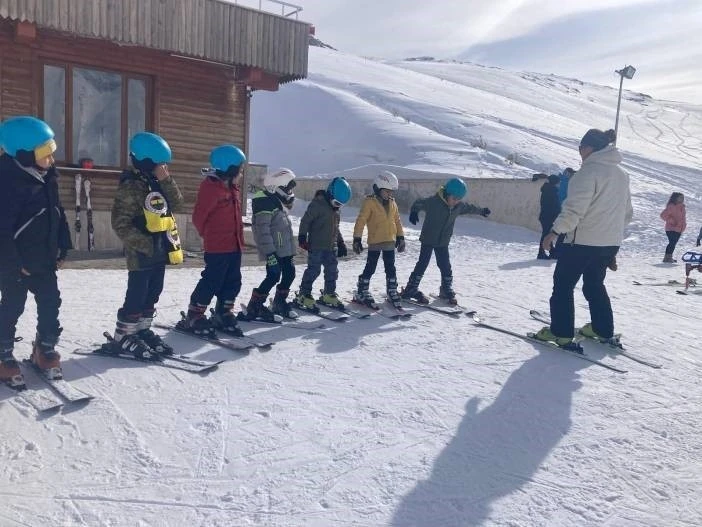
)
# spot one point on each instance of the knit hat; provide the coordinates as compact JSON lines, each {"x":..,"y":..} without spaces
{"x":597,"y":139}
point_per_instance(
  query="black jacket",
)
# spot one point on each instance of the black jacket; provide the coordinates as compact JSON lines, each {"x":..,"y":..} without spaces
{"x":33,"y":229}
{"x":550,"y":203}
{"x":439,"y":218}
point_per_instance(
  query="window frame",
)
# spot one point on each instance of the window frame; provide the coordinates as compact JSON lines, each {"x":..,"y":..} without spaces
{"x":126,"y":76}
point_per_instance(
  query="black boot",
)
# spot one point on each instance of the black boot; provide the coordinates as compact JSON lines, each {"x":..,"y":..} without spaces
{"x":196,"y":322}
{"x":223,"y":319}
{"x":280,"y":305}
{"x":127,"y":340}
{"x":446,"y":291}
{"x":256,"y":308}
{"x":412,"y":292}
{"x":391,"y":290}
{"x":362,"y":295}
{"x":154,"y":341}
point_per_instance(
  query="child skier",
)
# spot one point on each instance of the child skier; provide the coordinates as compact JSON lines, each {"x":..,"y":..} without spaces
{"x":440,"y":213}
{"x":319,"y":235}
{"x":379,"y":212}
{"x":217,"y":218}
{"x":34,"y":239}
{"x":273,"y":234}
{"x":142,"y":217}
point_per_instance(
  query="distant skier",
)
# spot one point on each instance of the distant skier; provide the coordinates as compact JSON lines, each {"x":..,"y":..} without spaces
{"x":380,"y":214}
{"x":319,"y":235}
{"x":593,"y":217}
{"x":440,"y":213}
{"x":273,"y":234}
{"x":564,"y":180}
{"x":217,"y":218}
{"x":34,"y":240}
{"x":550,"y":209}
{"x":142,"y":217}
{"x":675,"y":223}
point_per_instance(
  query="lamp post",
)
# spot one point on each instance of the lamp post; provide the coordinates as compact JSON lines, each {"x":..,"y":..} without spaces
{"x":628,"y":72}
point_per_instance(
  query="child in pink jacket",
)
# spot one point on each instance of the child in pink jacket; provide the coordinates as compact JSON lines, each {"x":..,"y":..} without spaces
{"x":675,"y":224}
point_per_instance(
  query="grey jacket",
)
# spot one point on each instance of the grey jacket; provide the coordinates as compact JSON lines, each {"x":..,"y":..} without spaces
{"x":272,"y":229}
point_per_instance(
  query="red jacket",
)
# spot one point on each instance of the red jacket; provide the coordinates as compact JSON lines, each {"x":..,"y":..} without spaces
{"x":217,"y":216}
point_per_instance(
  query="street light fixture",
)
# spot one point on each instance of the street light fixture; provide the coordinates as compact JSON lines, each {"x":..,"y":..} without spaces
{"x":628,"y":72}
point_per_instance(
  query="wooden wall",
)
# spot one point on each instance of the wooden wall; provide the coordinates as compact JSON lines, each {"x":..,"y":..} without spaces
{"x":196,"y":105}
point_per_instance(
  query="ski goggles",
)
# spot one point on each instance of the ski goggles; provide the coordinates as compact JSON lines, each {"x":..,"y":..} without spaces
{"x":336,"y":203}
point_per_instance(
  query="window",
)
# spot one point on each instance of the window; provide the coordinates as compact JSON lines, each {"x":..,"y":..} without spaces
{"x":93,"y":112}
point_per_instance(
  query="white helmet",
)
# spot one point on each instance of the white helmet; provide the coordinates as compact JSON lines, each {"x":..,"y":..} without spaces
{"x":281,"y":183}
{"x":386,"y":180}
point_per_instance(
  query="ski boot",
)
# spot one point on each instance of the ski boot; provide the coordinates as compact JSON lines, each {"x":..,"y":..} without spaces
{"x":391,"y":289}
{"x":256,"y":310}
{"x":154,"y":341}
{"x":446,"y":291}
{"x":223,"y":319}
{"x":127,"y":339}
{"x":546,"y":335}
{"x":305,"y":302}
{"x":362,"y":295}
{"x":280,"y":305}
{"x":412,"y":292}
{"x":44,"y":355}
{"x":196,"y":322}
{"x":331,"y":300}
{"x":10,"y":372}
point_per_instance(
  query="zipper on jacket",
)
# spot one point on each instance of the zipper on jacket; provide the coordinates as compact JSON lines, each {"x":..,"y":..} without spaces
{"x":28,"y":223}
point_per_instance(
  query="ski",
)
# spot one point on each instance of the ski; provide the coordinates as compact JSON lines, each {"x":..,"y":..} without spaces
{"x":62,"y":387}
{"x":79,"y":179}
{"x":452,"y":312}
{"x":668,"y":283}
{"x":451,"y":306}
{"x":552,"y":345}
{"x":614,"y":343}
{"x":339,"y":316}
{"x":231,"y":345}
{"x":89,"y":214}
{"x":279,"y":321}
{"x":163,"y":360}
{"x":342,"y":308}
{"x":41,"y":399}
{"x":394,"y":312}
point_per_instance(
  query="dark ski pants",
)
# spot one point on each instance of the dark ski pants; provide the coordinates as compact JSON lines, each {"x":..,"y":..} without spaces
{"x":283,"y":272}
{"x":144,"y":287}
{"x":443,"y":261}
{"x":372,"y":263}
{"x":673,"y":238}
{"x":44,"y":287}
{"x":590,"y":262}
{"x":545,"y":229}
{"x":221,"y":277}
{"x":315,"y":261}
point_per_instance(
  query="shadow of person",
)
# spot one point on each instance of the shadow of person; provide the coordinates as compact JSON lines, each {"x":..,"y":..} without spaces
{"x":511,"y":266}
{"x":497,"y":449}
{"x":338,"y":340}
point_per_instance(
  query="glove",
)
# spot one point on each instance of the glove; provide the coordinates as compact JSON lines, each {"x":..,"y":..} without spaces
{"x":271,"y":260}
{"x":400,"y":244}
{"x":341,"y":250}
{"x":485,"y":212}
{"x":303,"y":243}
{"x":357,"y":246}
{"x":414,"y":217}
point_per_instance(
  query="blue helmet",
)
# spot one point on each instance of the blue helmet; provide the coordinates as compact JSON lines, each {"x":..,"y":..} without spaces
{"x":456,"y":187}
{"x":145,"y":145}
{"x":225,"y":156}
{"x":29,"y":134}
{"x":339,"y":190}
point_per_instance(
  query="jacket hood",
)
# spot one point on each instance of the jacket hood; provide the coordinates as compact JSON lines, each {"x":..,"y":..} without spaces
{"x":609,"y":155}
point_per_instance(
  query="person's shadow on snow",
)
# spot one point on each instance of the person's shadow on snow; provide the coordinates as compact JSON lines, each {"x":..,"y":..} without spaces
{"x":498,"y":448}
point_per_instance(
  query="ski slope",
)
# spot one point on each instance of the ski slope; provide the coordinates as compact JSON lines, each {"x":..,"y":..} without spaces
{"x":429,"y":422}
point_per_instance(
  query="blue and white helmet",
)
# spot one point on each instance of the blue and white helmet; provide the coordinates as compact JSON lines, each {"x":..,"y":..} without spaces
{"x":145,"y":145}
{"x":225,"y":156}
{"x":339,"y":191}
{"x":29,"y":134}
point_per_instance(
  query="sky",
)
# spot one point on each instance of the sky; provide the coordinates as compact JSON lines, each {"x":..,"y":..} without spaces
{"x":428,"y":422}
{"x":585,"y":40}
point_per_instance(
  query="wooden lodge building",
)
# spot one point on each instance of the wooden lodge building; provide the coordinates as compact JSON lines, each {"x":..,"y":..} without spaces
{"x":99,"y":71}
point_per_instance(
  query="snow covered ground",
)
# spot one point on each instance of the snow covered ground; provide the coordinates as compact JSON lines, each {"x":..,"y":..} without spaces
{"x":429,"y":422}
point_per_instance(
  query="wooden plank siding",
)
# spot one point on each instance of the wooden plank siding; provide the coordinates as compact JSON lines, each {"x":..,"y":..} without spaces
{"x":208,"y":29}
{"x":196,"y":105}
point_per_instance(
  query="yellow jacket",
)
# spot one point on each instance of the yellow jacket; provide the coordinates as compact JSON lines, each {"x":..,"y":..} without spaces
{"x":383,"y":223}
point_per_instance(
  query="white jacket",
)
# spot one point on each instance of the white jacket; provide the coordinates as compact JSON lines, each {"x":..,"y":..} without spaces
{"x":598,"y":206}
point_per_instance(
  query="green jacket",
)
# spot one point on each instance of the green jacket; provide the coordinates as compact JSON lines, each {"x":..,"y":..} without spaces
{"x":439,"y":219}
{"x":320,"y":224}
{"x":143,"y":249}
